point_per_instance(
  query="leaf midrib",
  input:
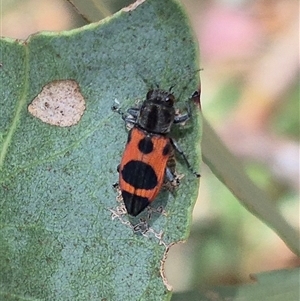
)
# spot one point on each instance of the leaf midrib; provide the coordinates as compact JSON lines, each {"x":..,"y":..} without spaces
{"x":20,"y":105}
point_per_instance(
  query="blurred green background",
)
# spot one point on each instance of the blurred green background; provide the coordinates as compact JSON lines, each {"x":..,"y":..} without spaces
{"x":250,"y":94}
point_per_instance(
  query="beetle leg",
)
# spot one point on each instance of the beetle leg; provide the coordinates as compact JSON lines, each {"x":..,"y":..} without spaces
{"x":129,"y":117}
{"x":180,"y":151}
{"x":171,"y":180}
{"x":169,"y":175}
{"x":181,"y":118}
{"x":134,"y":112}
{"x":184,"y":117}
{"x":116,"y":186}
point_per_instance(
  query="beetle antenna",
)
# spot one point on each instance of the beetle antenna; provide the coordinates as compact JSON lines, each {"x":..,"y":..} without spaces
{"x":170,"y":89}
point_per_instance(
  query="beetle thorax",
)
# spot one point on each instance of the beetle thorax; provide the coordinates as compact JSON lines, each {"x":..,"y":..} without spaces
{"x":157,"y":112}
{"x":156,"y":117}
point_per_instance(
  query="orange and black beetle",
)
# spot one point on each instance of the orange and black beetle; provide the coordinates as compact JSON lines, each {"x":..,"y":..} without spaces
{"x":149,"y":149}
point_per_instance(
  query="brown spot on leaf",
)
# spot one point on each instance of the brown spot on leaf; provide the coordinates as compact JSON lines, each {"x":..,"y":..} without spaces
{"x":59,"y":103}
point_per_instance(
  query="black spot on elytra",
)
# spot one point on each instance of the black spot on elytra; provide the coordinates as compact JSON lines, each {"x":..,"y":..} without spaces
{"x":139,"y":175}
{"x":167,"y":149}
{"x":145,"y":145}
{"x":134,"y":204}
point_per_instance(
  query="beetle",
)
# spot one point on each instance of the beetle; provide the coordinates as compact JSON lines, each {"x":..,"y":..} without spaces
{"x":148,"y":158}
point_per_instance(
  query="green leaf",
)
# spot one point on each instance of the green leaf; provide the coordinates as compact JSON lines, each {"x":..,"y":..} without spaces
{"x":58,"y":240}
{"x":271,"y":286}
{"x":229,"y":171}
